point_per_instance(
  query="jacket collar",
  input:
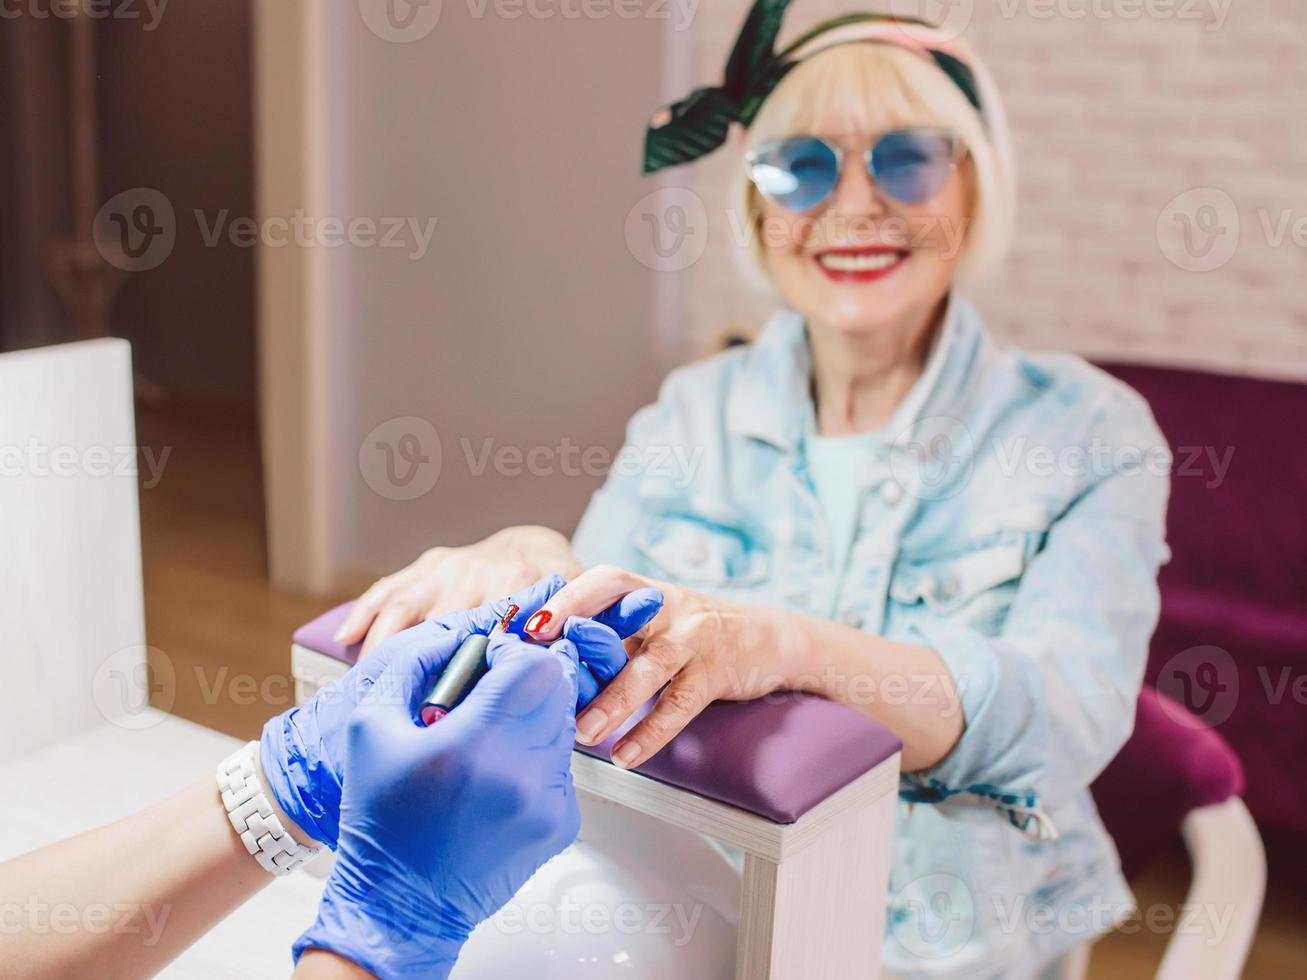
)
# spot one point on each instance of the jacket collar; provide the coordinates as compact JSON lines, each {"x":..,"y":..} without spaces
{"x":771,"y":399}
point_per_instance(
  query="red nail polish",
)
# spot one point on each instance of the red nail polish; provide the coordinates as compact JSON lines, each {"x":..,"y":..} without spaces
{"x":539,"y":621}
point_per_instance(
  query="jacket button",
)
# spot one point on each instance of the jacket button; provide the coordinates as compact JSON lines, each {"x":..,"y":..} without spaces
{"x":891,"y":492}
{"x":853,"y":618}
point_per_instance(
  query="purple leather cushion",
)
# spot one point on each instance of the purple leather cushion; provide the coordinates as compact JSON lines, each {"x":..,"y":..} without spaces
{"x":1172,"y":764}
{"x":1233,"y":629}
{"x":777,"y":757}
{"x":317,"y":635}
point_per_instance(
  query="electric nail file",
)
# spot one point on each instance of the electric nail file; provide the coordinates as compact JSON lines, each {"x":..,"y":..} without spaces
{"x":467,"y":666}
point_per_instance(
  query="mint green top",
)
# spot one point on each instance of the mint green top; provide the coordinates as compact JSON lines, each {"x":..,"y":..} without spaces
{"x":837,"y":466}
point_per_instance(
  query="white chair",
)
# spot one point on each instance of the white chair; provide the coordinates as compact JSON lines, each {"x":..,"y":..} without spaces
{"x":80,"y":744}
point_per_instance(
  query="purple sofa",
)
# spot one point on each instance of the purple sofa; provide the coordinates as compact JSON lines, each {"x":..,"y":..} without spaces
{"x":1232,"y":640}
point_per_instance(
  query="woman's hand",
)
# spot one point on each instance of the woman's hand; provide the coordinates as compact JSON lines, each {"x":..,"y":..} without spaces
{"x":446,"y":579}
{"x":702,"y":648}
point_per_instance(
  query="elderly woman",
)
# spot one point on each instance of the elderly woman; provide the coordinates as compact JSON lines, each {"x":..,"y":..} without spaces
{"x":887,"y":508}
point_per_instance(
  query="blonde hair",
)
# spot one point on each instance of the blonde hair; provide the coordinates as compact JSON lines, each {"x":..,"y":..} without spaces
{"x":871,"y":87}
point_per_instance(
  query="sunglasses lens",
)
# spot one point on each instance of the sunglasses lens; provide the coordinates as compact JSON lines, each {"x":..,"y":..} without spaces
{"x":797,"y":173}
{"x":912,"y":165}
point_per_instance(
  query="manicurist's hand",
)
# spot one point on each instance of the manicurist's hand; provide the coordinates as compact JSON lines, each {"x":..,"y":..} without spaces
{"x":303,"y":750}
{"x":446,"y":579}
{"x":700,"y":648}
{"x":441,"y":826}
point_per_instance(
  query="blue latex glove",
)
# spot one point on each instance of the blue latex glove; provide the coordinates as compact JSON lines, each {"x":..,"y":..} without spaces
{"x":441,"y":826}
{"x":303,"y":750}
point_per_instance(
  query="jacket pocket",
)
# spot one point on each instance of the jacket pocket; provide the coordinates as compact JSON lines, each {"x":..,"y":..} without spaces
{"x":976,"y":584}
{"x":699,"y":554}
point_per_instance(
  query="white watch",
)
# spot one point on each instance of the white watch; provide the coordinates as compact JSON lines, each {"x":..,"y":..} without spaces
{"x":250,"y":810}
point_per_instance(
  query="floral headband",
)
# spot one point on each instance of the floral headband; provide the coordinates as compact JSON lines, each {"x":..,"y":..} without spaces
{"x":699,"y":123}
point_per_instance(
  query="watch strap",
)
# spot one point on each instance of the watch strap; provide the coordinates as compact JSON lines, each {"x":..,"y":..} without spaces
{"x":250,"y":810}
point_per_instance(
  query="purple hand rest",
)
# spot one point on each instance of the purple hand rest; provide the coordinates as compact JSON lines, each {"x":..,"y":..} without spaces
{"x":777,"y":757}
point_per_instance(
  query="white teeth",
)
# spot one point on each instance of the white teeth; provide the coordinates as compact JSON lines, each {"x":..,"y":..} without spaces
{"x":866,"y":262}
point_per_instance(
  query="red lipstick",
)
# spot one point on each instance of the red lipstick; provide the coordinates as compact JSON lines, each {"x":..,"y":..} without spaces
{"x":859,"y":264}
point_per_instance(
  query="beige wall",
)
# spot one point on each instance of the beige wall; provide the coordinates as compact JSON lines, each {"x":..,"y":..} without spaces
{"x":1114,"y":117}
{"x":528,"y":321}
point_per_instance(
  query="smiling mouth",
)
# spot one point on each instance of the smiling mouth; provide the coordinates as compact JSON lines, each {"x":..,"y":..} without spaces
{"x":860,"y":264}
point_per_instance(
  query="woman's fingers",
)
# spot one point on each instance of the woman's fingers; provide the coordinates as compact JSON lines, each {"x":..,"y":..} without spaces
{"x":650,"y":668}
{"x":587,"y":594}
{"x":394,"y":618}
{"x":686,"y":696}
{"x":365,"y":610}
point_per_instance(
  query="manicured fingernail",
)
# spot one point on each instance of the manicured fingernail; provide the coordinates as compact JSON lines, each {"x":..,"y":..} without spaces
{"x":340,"y":636}
{"x":590,"y":724}
{"x":539,"y":621}
{"x":625,"y":754}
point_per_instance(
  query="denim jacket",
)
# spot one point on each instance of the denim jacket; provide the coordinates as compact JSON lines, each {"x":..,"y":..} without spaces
{"x":1012,"y":521}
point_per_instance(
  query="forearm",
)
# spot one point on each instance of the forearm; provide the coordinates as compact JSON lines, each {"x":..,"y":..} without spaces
{"x":125,"y":899}
{"x":905,"y":687}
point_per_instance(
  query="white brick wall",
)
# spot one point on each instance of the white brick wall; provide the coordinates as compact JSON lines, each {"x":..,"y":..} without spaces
{"x":1115,"y":114}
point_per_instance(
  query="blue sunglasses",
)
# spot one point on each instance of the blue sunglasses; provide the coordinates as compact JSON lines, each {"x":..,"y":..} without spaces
{"x":800,"y":172}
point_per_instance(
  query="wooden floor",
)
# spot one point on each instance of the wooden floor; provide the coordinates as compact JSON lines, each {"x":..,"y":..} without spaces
{"x":222,"y":635}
